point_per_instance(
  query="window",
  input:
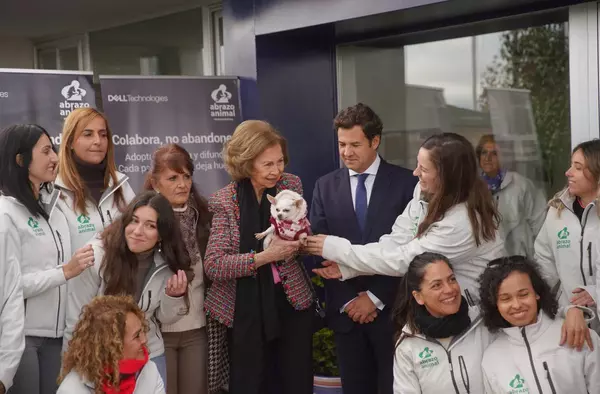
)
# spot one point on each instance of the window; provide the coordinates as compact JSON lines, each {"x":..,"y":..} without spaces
{"x":168,"y":45}
{"x":512,"y":84}
{"x":67,"y":54}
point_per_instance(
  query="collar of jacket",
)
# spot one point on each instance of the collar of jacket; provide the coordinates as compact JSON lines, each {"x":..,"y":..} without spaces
{"x":112,"y":187}
{"x":533,"y":331}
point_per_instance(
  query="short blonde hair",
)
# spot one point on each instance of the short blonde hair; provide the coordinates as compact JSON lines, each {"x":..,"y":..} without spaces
{"x":248,"y":141}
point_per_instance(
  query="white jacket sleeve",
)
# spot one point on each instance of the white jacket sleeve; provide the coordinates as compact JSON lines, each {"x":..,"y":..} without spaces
{"x":544,"y":256}
{"x":36,"y":283}
{"x":405,"y":378}
{"x":12,"y":312}
{"x":403,"y":231}
{"x":128,"y":193}
{"x":453,"y":238}
{"x":592,"y":366}
{"x":80,"y":291}
{"x":171,"y":309}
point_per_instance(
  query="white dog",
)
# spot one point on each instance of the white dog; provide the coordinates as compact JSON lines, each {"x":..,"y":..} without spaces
{"x":288,"y":218}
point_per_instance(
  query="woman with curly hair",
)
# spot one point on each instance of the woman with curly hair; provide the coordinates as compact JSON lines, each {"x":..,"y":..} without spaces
{"x":519,"y":304}
{"x":108,"y":351}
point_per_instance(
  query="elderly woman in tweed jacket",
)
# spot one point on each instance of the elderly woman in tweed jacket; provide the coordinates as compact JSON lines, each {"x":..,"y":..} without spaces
{"x":259,"y":321}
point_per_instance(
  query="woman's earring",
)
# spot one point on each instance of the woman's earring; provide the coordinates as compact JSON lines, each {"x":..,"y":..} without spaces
{"x":160,"y":247}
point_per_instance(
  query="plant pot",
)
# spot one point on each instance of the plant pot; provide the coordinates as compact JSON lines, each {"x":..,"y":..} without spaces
{"x":327,"y":385}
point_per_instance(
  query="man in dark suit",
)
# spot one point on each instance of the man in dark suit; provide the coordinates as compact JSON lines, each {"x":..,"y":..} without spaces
{"x":361,"y":203}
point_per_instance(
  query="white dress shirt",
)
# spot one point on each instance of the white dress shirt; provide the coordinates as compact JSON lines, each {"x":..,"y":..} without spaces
{"x":369,"y":182}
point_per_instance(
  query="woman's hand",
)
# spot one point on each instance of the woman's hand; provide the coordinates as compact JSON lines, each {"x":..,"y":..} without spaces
{"x":331,"y":270}
{"x":575,"y":331}
{"x":177,"y":284}
{"x":582,"y":298}
{"x":81,"y":260}
{"x":278,"y":250}
{"x":314,"y":244}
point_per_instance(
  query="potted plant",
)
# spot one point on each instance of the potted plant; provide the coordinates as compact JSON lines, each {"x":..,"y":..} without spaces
{"x":325,"y":369}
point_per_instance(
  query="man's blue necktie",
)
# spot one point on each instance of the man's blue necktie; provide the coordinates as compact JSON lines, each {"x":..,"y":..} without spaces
{"x":360,"y":205}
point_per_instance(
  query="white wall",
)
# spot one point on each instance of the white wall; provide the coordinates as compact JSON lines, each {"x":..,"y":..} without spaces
{"x":16,"y":53}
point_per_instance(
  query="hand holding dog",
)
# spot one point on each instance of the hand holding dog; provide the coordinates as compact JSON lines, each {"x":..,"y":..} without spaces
{"x":278,"y":250}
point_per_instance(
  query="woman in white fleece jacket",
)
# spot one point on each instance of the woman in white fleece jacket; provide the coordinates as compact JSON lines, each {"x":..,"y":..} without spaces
{"x":452,"y":213}
{"x":525,"y":357}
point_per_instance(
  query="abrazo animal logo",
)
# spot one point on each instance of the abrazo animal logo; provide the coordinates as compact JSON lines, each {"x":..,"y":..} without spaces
{"x":35,"y":226}
{"x":563,"y":241}
{"x":517,"y":385}
{"x":221,"y":109}
{"x":3,"y":95}
{"x":84,"y":225}
{"x":73,"y":95}
{"x":427,"y":359}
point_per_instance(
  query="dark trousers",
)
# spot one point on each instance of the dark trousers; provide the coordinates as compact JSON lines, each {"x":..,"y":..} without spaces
{"x":284,"y":365}
{"x":366,"y":355}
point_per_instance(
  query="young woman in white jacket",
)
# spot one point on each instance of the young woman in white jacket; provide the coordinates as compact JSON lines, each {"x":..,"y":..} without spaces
{"x":93,"y":192}
{"x":564,"y":247}
{"x":525,"y":357}
{"x":142,"y":255}
{"x":522,"y":207}
{"x":110,"y":336}
{"x":35,"y":236}
{"x":452,"y":213}
{"x":440,"y":337}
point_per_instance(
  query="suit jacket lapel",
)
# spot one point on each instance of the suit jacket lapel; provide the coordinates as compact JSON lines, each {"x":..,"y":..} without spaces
{"x":378,"y":197}
{"x":344,"y":194}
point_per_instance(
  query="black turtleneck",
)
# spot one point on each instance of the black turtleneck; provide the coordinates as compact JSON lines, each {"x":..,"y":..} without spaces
{"x":92,"y":176}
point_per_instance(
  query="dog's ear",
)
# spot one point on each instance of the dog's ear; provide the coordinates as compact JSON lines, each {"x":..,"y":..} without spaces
{"x":298,"y":203}
{"x":271,"y":199}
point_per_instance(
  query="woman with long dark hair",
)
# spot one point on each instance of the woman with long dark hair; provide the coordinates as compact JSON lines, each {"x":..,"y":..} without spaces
{"x":518,"y":304}
{"x":452,"y":213}
{"x":186,"y":341}
{"x":142,"y":255}
{"x":35,"y":237}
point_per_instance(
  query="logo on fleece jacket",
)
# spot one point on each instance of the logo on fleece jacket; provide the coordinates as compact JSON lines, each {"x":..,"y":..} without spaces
{"x":427,"y":358}
{"x":517,"y":384}
{"x":563,"y":241}
{"x":35,"y":226}
{"x":84,"y":225}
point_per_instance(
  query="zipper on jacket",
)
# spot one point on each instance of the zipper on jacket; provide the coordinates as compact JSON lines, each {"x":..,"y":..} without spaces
{"x":452,"y":371}
{"x":62,"y":249}
{"x":537,"y":381}
{"x":549,"y":378}
{"x":583,"y":223}
{"x":57,"y":264}
{"x":101,"y":217}
{"x":109,"y":215}
{"x":589,"y":250}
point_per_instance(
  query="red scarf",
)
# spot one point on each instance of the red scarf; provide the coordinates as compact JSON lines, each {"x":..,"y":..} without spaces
{"x":128,"y":370}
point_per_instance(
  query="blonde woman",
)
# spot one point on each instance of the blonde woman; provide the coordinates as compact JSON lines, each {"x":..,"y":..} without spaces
{"x":108,"y":353}
{"x":93,"y":192}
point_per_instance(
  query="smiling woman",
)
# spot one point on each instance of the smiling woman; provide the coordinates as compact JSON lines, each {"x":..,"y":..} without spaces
{"x":36,"y":261}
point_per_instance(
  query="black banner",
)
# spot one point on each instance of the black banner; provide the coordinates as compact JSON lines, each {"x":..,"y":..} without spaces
{"x":44,"y":97}
{"x":200,"y":114}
